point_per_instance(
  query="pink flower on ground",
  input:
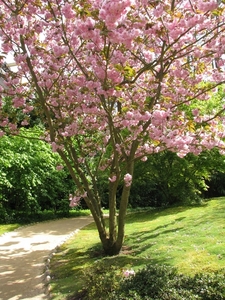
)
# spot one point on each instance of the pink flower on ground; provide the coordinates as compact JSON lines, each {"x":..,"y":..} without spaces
{"x":128,"y":273}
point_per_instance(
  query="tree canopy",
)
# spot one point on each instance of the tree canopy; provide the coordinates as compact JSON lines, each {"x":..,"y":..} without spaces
{"x":113,"y":82}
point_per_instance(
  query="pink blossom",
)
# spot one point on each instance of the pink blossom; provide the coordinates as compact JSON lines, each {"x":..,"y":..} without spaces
{"x":195,"y":112}
{"x":59,"y":167}
{"x":158,"y":11}
{"x":24,"y":122}
{"x":113,"y":178}
{"x":12,"y":127}
{"x":75,"y":199}
{"x":28,"y":109}
{"x":67,"y":11}
{"x":54,"y":147}
{"x":127,"y":179}
{"x":60,"y":50}
{"x":144,"y":158}
{"x":207,"y":6}
{"x":128,"y":273}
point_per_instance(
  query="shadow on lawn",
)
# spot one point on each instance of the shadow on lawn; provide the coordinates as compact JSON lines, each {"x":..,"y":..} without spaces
{"x":153,"y":214}
{"x":144,"y":240}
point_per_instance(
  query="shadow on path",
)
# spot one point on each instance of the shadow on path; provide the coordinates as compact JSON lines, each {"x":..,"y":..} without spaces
{"x":22,"y":256}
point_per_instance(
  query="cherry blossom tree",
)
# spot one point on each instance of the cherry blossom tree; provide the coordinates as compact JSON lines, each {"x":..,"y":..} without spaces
{"x":113,"y":82}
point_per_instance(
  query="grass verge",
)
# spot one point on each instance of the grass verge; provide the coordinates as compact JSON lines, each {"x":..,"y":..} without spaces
{"x":189,"y":238}
{"x":8,"y":227}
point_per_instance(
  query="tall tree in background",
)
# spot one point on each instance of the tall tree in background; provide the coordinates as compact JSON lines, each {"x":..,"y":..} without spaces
{"x":111,"y":82}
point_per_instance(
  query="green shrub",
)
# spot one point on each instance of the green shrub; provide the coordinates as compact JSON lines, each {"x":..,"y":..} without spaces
{"x":216,"y":185}
{"x":149,"y":281}
{"x":105,"y":281}
{"x":29,"y":180}
{"x":164,"y":282}
{"x":101,"y":281}
{"x":166,"y":179}
{"x":208,"y":286}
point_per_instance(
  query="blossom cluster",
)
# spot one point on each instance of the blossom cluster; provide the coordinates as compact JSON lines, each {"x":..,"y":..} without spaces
{"x":128,"y":273}
{"x":75,"y":198}
{"x":128,"y":179}
{"x":122,"y":78}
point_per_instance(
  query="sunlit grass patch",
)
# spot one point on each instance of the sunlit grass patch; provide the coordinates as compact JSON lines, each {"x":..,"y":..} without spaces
{"x":8,"y":227}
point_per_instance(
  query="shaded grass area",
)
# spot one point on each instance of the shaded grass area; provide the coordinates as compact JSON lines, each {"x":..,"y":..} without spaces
{"x":189,"y":238}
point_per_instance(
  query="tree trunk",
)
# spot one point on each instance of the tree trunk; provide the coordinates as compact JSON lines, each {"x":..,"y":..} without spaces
{"x":111,"y":239}
{"x":113,"y":244}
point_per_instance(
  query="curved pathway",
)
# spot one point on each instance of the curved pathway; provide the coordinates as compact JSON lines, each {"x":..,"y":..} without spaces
{"x":23,"y":253}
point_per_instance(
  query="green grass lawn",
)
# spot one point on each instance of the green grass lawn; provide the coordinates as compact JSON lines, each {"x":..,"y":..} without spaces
{"x":189,"y":238}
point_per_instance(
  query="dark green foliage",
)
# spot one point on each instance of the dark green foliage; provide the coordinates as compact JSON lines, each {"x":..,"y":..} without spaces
{"x":150,"y":281}
{"x":163,"y":282}
{"x":29,"y":181}
{"x":216,"y":185}
{"x":101,"y":281}
{"x":166,"y":179}
{"x":208,"y":286}
{"x":154,"y":282}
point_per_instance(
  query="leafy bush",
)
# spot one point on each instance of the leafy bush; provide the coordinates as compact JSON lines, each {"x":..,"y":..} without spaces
{"x":164,"y":282}
{"x":166,"y":179}
{"x":216,"y":185}
{"x":207,"y":286}
{"x":154,"y":282}
{"x":101,"y":281}
{"x":29,"y":181}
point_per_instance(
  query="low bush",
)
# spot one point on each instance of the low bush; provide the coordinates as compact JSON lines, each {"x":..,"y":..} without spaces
{"x":101,"y":281}
{"x":164,"y":282}
{"x":154,"y":282}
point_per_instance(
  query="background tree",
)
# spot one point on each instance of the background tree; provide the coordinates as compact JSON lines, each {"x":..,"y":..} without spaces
{"x":110,"y":81}
{"x":166,"y":179}
{"x":30,"y":182}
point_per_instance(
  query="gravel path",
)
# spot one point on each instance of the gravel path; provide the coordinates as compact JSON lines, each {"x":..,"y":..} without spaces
{"x":23,"y":253}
